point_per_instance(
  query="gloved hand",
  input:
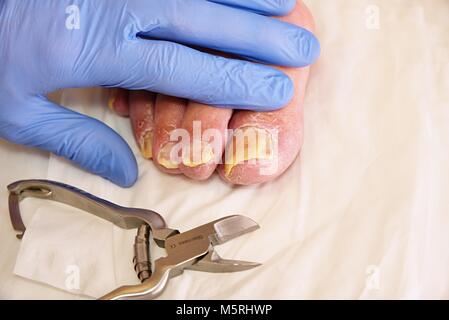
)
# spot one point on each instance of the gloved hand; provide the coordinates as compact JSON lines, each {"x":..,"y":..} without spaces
{"x":46,"y":45}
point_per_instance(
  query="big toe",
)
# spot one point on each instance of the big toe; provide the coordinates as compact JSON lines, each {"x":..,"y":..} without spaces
{"x":264,"y":145}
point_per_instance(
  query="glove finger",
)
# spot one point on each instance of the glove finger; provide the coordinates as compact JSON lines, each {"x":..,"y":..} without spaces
{"x":210,"y":25}
{"x":265,"y":7}
{"x":176,"y":70}
{"x":86,"y":141}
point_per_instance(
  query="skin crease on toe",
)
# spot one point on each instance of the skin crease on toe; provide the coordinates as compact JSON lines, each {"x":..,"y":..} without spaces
{"x":287,"y":122}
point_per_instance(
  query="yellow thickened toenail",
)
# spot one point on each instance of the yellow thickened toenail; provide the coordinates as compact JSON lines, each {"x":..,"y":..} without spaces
{"x":200,"y":153}
{"x":248,"y":144}
{"x":147,"y":145}
{"x":165,"y":157}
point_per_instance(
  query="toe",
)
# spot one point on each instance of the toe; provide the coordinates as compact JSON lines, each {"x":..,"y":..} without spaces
{"x":169,"y":112}
{"x":141,"y":112}
{"x":207,"y":128}
{"x":264,"y":145}
{"x":118,"y":101}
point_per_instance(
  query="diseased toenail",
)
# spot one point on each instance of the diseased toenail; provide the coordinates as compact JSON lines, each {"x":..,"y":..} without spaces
{"x":146,"y":146}
{"x":166,"y":158}
{"x":199,"y":154}
{"x":248,"y":144}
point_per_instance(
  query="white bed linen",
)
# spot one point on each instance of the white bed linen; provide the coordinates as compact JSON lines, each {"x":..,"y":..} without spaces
{"x":363,"y":213}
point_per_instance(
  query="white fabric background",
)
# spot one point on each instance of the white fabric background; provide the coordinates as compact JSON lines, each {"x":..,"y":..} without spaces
{"x":363,"y":213}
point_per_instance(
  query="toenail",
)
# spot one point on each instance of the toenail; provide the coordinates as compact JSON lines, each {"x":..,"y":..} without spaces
{"x":166,"y":158}
{"x":147,"y":145}
{"x":248,"y":144}
{"x":199,"y":154}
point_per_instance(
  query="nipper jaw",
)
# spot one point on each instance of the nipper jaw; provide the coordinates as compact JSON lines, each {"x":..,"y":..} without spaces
{"x":193,"y":249}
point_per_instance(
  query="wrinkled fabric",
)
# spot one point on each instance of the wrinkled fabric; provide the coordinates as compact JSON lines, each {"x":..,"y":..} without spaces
{"x":363,"y":213}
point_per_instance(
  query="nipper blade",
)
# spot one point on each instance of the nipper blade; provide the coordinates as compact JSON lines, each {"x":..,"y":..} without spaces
{"x":231,"y":227}
{"x":212,"y":262}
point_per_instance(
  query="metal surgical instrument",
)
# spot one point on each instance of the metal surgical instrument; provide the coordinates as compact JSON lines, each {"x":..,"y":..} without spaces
{"x":190,"y":250}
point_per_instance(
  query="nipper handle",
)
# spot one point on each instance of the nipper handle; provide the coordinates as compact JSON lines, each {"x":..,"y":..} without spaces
{"x":125,"y":218}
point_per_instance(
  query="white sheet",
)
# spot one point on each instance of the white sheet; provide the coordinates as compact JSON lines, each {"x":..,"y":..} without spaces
{"x":363,"y":213}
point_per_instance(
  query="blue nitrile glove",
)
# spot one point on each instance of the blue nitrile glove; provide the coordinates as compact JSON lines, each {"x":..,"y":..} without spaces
{"x":47,"y":45}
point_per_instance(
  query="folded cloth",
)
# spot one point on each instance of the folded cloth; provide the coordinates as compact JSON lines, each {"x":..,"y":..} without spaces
{"x":76,"y":252}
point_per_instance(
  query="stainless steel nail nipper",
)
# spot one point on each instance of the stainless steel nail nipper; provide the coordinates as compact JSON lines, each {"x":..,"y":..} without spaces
{"x":193,"y":249}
